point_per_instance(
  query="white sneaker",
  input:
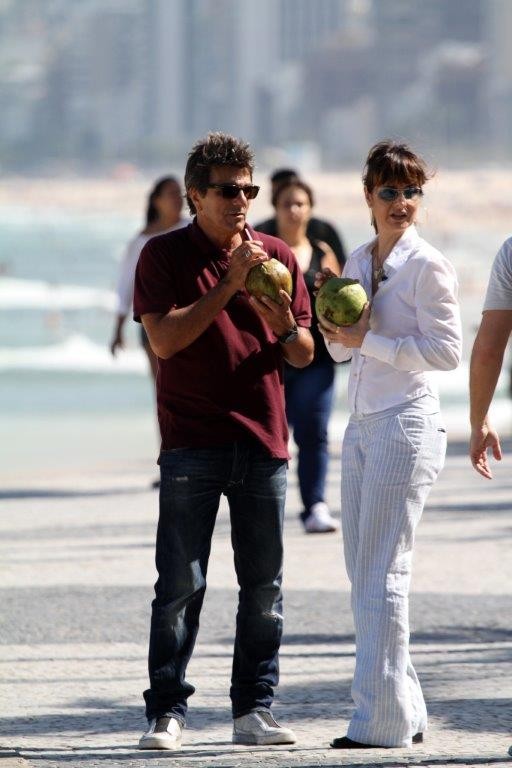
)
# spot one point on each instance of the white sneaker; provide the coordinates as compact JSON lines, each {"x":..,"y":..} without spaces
{"x":319,"y":519}
{"x":163,"y":733}
{"x":259,"y":727}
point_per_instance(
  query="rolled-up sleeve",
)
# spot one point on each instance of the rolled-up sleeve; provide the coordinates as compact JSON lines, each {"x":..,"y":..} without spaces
{"x":338,"y":352}
{"x":499,"y":289}
{"x":126,"y":276}
{"x":437,"y":344}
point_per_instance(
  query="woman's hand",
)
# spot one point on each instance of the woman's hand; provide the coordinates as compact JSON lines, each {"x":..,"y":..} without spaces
{"x":351,"y":336}
{"x":323,"y":276}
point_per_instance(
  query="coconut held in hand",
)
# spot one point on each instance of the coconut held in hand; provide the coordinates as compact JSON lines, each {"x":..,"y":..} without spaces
{"x":341,"y":300}
{"x":267,"y":279}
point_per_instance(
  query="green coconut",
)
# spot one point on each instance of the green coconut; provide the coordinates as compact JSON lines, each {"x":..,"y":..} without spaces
{"x":341,"y":300}
{"x":267,"y":279}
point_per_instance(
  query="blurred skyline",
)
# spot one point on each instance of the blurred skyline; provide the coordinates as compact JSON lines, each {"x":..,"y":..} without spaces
{"x":91,"y":84}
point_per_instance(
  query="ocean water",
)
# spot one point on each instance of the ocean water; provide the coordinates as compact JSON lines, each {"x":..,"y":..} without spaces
{"x":65,"y":402}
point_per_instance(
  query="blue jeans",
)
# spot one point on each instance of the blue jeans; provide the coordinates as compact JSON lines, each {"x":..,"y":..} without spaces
{"x":192,"y":481}
{"x":309,"y":397}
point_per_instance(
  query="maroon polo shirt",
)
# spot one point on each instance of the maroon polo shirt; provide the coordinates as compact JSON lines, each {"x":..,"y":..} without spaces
{"x":228,"y":384}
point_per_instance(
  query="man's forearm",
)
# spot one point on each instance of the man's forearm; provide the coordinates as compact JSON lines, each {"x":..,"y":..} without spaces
{"x":485,"y":369}
{"x":300,"y":352}
{"x":170,"y":333}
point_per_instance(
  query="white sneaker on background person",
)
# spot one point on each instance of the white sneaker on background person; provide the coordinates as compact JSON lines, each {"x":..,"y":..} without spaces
{"x":319,"y":519}
{"x":163,"y":733}
{"x":259,"y":727}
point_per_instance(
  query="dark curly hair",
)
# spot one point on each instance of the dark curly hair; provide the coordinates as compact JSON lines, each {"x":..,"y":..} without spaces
{"x":216,"y":149}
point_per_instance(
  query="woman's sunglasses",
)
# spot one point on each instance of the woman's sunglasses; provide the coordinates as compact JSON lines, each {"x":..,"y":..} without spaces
{"x":230,"y":191}
{"x":389,"y":194}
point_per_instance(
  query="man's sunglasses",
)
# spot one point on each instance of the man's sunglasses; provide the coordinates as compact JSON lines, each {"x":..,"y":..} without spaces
{"x":389,"y":194}
{"x":230,"y":191}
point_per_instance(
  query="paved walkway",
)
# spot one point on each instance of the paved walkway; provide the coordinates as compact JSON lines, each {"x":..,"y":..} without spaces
{"x":76,"y":579}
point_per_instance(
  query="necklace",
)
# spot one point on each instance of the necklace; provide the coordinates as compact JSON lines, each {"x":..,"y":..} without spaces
{"x":377,"y":272}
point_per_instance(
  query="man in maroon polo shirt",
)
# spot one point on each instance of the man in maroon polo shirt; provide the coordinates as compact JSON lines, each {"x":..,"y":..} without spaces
{"x":222,"y":419}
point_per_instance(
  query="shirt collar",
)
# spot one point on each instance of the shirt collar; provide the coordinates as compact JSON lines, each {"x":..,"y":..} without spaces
{"x":400,"y":252}
{"x":205,"y":245}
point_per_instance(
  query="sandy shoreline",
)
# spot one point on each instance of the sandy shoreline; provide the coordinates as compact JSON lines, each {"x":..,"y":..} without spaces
{"x":454,"y":200}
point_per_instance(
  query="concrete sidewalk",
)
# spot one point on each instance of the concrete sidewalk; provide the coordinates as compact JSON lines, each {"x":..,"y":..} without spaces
{"x":76,"y":584}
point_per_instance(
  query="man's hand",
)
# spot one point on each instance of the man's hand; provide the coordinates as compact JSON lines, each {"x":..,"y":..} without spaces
{"x":242,"y":259}
{"x":278,"y":316}
{"x":483,"y":438}
{"x":351,"y":336}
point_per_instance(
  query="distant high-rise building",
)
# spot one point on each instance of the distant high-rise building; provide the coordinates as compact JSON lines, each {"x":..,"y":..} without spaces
{"x":304,"y":25}
{"x":93,"y":105}
{"x":428,"y":70}
{"x":108,"y":80}
{"x":167,"y":75}
{"x":215,"y":58}
{"x":499,"y":73}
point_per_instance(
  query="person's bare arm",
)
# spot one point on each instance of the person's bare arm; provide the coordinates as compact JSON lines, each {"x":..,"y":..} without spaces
{"x":118,"y":336}
{"x":173,"y":331}
{"x":329,"y":259}
{"x":486,"y":363}
{"x":279,"y":317}
{"x":300,"y":352}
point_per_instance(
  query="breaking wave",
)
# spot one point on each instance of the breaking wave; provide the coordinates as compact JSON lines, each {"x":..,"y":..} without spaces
{"x":37,"y":294}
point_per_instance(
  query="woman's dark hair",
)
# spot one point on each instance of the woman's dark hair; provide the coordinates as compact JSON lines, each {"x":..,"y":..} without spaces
{"x":293,"y":184}
{"x":151,"y":211}
{"x":216,"y":149}
{"x":283,"y":174}
{"x":391,"y":162}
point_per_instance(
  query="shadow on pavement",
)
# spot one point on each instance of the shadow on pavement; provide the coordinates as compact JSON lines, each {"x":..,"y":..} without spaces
{"x":49,"y":493}
{"x":461,"y":635}
{"x":460,"y":447}
{"x":328,"y":700}
{"x":113,"y":614}
{"x":490,"y":715}
{"x":483,"y":506}
{"x":290,"y":757}
{"x":307,"y":639}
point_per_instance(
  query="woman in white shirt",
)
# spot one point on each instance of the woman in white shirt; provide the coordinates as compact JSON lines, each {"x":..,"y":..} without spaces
{"x":163,"y":214}
{"x":395,"y":442}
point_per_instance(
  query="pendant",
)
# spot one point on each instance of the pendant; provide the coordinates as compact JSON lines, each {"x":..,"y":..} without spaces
{"x":377,"y":274}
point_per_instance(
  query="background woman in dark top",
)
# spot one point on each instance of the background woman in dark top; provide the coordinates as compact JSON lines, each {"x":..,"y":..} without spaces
{"x":309,"y":391}
{"x":317,"y":229}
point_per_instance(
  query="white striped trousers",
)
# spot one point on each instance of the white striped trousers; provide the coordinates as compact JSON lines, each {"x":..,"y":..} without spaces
{"x":389,"y":463}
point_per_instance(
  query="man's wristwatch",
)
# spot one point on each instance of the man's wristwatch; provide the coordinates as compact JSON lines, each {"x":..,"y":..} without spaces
{"x":289,"y":336}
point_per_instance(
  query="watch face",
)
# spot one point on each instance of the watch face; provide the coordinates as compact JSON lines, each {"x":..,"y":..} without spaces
{"x":290,"y":336}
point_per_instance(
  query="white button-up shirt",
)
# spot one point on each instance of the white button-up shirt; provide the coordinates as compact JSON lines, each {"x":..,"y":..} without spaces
{"x":414,"y":326}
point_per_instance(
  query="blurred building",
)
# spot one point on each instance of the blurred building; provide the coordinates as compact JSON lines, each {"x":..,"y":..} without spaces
{"x":499,"y":87}
{"x":95,"y":82}
{"x":429,"y":71}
